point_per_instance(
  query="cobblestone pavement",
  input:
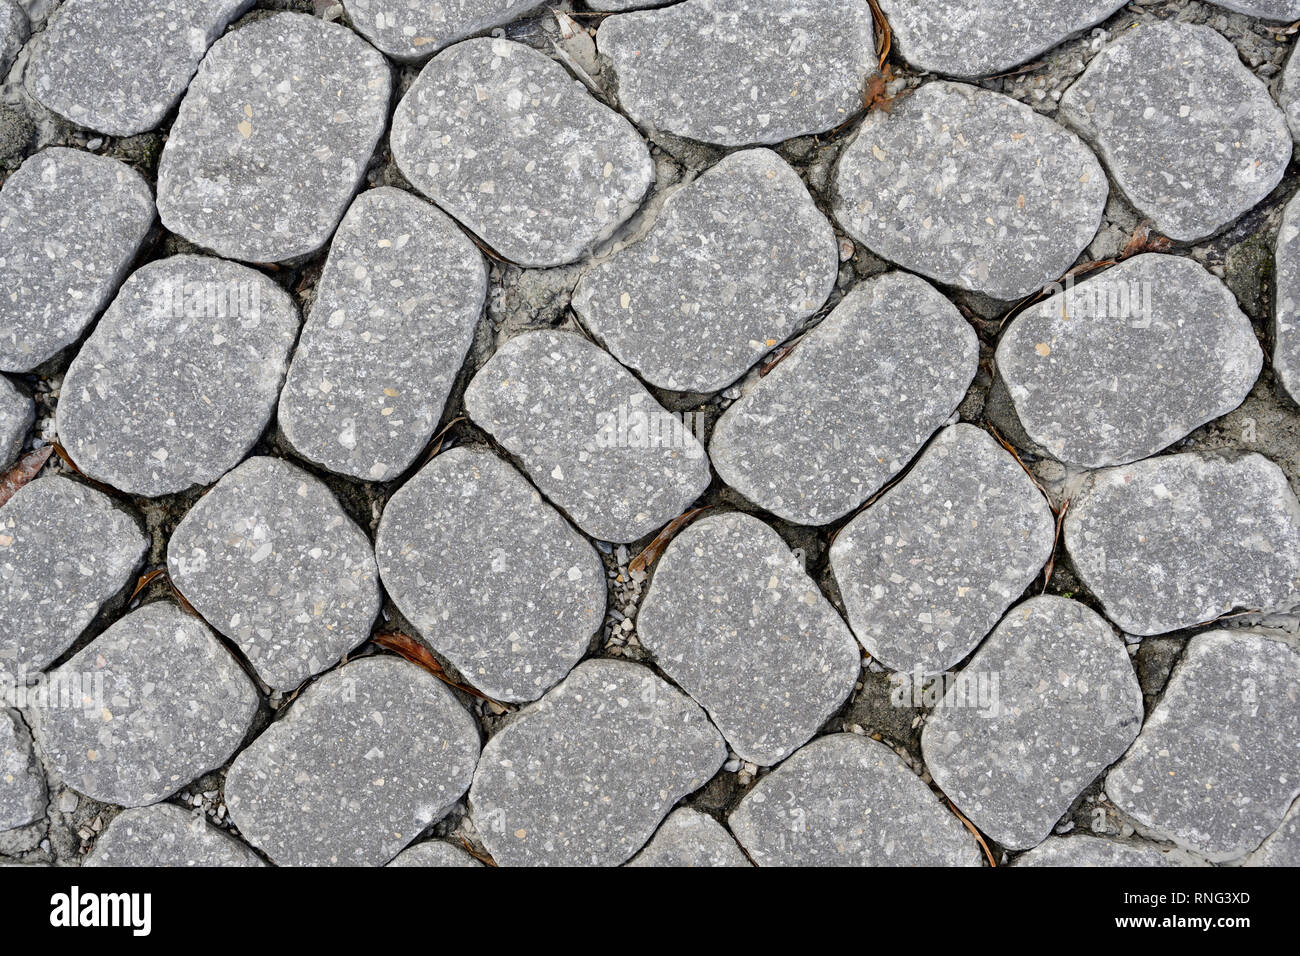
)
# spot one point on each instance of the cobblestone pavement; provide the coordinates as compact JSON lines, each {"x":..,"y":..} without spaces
{"x":697,"y":433}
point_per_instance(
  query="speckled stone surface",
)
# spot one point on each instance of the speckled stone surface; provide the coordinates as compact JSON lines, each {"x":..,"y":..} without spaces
{"x":413,"y":30}
{"x":395,"y":311}
{"x":584,"y":776}
{"x":713,"y":71}
{"x":689,"y":838}
{"x":271,"y":560}
{"x":970,"y":188}
{"x":65,"y":550}
{"x":180,"y":377}
{"x":1279,"y":11}
{"x":490,"y":574}
{"x":166,"y":835}
{"x":507,"y":141}
{"x":71,"y":224}
{"x":1093,"y":851}
{"x":1282,"y":848}
{"x":1191,"y":137}
{"x":1216,"y":767}
{"x":589,"y":435}
{"x":22,"y":783}
{"x":1286,"y":304}
{"x":1179,"y":540}
{"x":17,"y":413}
{"x":927,"y":570}
{"x":438,"y":853}
{"x":1288,"y":94}
{"x":1127,"y":362}
{"x":973,"y":38}
{"x":1013,"y":755}
{"x":845,"y":800}
{"x":736,"y":261}
{"x":174,"y":705}
{"x":14,"y":30}
{"x":733,"y":619}
{"x":273,"y":138}
{"x":851,"y":406}
{"x":120,"y":67}
{"x":367,"y":757}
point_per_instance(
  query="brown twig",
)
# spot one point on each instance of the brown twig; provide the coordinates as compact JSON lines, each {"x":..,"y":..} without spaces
{"x":415,"y":652}
{"x":969,"y":826}
{"x":481,"y":857}
{"x":657,"y":547}
{"x":1056,"y":543}
{"x":23,"y":471}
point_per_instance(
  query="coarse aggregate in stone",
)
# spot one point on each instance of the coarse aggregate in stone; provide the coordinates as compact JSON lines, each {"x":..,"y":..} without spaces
{"x":272,"y":561}
{"x":395,"y":312}
{"x":167,"y":835}
{"x":584,"y":776}
{"x":1282,"y":848}
{"x":22,"y":785}
{"x":970,"y":188}
{"x":735,"y":621}
{"x":14,"y":30}
{"x":17,"y":413}
{"x":273,"y":138}
{"x":689,"y":838}
{"x":974,"y":38}
{"x":505,"y":140}
{"x":1127,"y":362}
{"x":1190,"y":136}
{"x":926,"y":572}
{"x":1278,"y":11}
{"x":120,"y":67}
{"x":65,"y":551}
{"x":1216,"y":767}
{"x":490,"y":574}
{"x":736,"y":261}
{"x":589,"y":435}
{"x":161,"y":703}
{"x":180,"y":377}
{"x":1180,"y":540}
{"x":1288,"y":94}
{"x":851,"y":405}
{"x":71,"y":224}
{"x":434,"y":853}
{"x":413,"y":30}
{"x":1286,"y":316}
{"x":367,"y":757}
{"x":1093,"y":851}
{"x":719,"y":72}
{"x":846,"y":800}
{"x":1047,"y":703}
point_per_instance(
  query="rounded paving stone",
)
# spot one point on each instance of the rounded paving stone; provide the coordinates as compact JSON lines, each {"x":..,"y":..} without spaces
{"x":180,"y":377}
{"x":1288,"y":94}
{"x":273,"y":562}
{"x":120,"y":67}
{"x":1280,"y":11}
{"x":273,"y":138}
{"x":974,"y":38}
{"x":14,"y":30}
{"x":434,"y":853}
{"x":395,"y":312}
{"x":1180,"y":540}
{"x":1282,"y":848}
{"x":71,"y":224}
{"x":1047,"y":703}
{"x":22,"y":784}
{"x":853,"y":403}
{"x":17,"y":415}
{"x":733,"y":619}
{"x":166,"y":835}
{"x":413,"y":30}
{"x":162,"y":703}
{"x":65,"y":551}
{"x":1125,"y":364}
{"x":584,"y":776}
{"x":845,"y":800}
{"x":1217,"y":766}
{"x":713,"y":71}
{"x":1092,"y":851}
{"x":970,"y":188}
{"x":689,"y":838}
{"x":507,"y":141}
{"x":490,"y":574}
{"x":1191,"y":137}
{"x":589,"y":435}
{"x":926,"y":572}
{"x":1286,"y":316}
{"x":367,"y":757}
{"x":737,"y":260}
